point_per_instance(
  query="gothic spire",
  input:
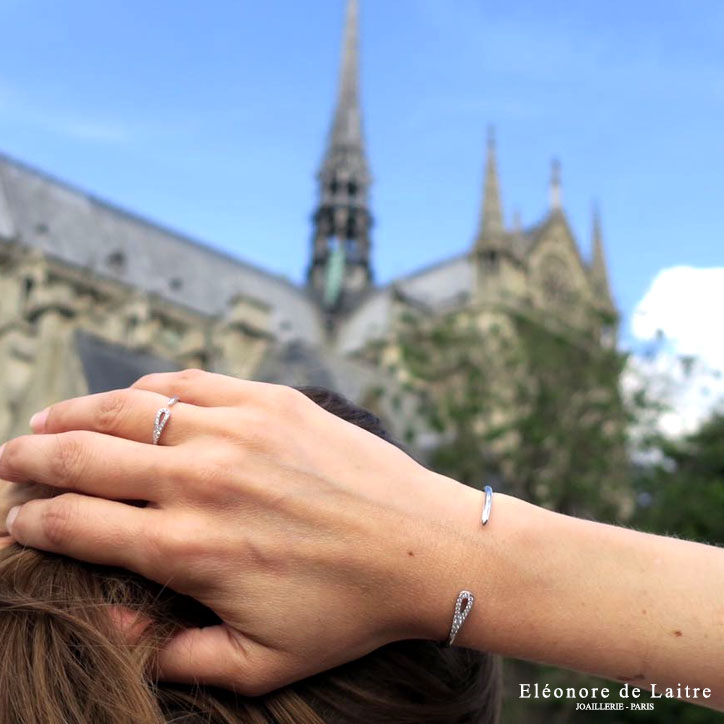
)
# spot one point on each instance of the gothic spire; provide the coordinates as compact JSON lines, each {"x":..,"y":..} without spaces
{"x":340,"y":266}
{"x":517,"y":222}
{"x":491,"y":215}
{"x":345,"y":136}
{"x":555,"y":189}
{"x":599,"y":270}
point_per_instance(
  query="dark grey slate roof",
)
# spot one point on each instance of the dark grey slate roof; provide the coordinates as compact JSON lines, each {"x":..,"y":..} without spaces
{"x":112,"y":366}
{"x":89,"y":233}
{"x":442,"y":285}
{"x":438,"y":286}
{"x":84,"y":231}
{"x":299,"y":364}
{"x":295,"y":364}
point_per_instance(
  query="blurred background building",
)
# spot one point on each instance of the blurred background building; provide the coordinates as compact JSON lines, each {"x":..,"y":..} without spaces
{"x":93,"y":296}
{"x":499,"y":363}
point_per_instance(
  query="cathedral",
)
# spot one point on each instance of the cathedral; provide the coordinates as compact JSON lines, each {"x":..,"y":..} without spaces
{"x":93,"y":296}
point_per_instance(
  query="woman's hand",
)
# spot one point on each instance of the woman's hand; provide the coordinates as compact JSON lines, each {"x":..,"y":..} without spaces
{"x":314,"y":541}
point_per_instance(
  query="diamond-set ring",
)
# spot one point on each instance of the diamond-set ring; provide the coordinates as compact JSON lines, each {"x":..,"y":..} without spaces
{"x":162,"y":418}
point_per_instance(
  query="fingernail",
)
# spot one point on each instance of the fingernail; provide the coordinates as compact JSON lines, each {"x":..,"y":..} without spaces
{"x":37,"y":421}
{"x":2,"y":447}
{"x":12,"y":514}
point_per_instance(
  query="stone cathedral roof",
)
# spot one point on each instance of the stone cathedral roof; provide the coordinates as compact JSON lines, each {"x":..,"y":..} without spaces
{"x":107,"y":366}
{"x":82,"y":230}
{"x":79,"y":229}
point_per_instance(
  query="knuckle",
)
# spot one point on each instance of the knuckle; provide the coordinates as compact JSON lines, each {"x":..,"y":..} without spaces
{"x":187,"y":378}
{"x":174,"y":547}
{"x":236,"y":433}
{"x":287,"y":403}
{"x":66,"y":462}
{"x":279,"y":406}
{"x":175,"y":382}
{"x":283,"y":396}
{"x":145,"y":381}
{"x":57,"y":519}
{"x":244,"y":429}
{"x":299,"y":403}
{"x":191,"y":373}
{"x":111,"y":408}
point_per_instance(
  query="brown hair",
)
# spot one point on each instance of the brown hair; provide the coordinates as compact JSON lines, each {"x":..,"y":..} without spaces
{"x":62,"y":661}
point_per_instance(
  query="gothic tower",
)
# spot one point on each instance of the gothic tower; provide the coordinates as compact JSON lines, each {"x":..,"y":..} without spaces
{"x":339,"y":270}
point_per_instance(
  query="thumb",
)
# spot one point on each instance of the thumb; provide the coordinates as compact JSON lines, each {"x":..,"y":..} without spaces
{"x":221,"y":656}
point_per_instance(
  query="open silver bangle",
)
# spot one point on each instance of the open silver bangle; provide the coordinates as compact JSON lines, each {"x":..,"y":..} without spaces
{"x":466,"y":598}
{"x":487,"y":505}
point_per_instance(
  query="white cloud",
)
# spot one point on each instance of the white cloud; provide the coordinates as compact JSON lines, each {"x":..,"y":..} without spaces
{"x":685,"y":305}
{"x":679,"y":349}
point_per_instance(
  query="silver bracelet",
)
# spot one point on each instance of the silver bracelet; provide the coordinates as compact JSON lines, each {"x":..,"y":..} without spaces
{"x":466,"y":598}
{"x":487,"y":505}
{"x":460,"y":613}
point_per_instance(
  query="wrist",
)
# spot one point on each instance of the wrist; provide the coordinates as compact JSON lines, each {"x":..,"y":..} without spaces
{"x":461,"y":562}
{"x":443,"y":546}
{"x":459,"y":553}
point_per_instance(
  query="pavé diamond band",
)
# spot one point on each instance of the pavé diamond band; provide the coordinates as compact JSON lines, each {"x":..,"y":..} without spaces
{"x":463,"y":605}
{"x":162,"y":418}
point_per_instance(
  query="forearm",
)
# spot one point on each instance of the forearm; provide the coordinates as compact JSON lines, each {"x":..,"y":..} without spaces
{"x":610,"y":601}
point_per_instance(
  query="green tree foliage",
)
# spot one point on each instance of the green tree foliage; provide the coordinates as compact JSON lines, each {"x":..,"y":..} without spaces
{"x":539,"y":411}
{"x":536,"y":409}
{"x":683,"y":494}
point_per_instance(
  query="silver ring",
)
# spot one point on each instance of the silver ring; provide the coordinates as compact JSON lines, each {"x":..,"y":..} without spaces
{"x":162,"y":418}
{"x":487,"y":505}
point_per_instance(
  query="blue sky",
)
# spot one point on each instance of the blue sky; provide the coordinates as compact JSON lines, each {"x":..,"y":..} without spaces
{"x":211,"y":117}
